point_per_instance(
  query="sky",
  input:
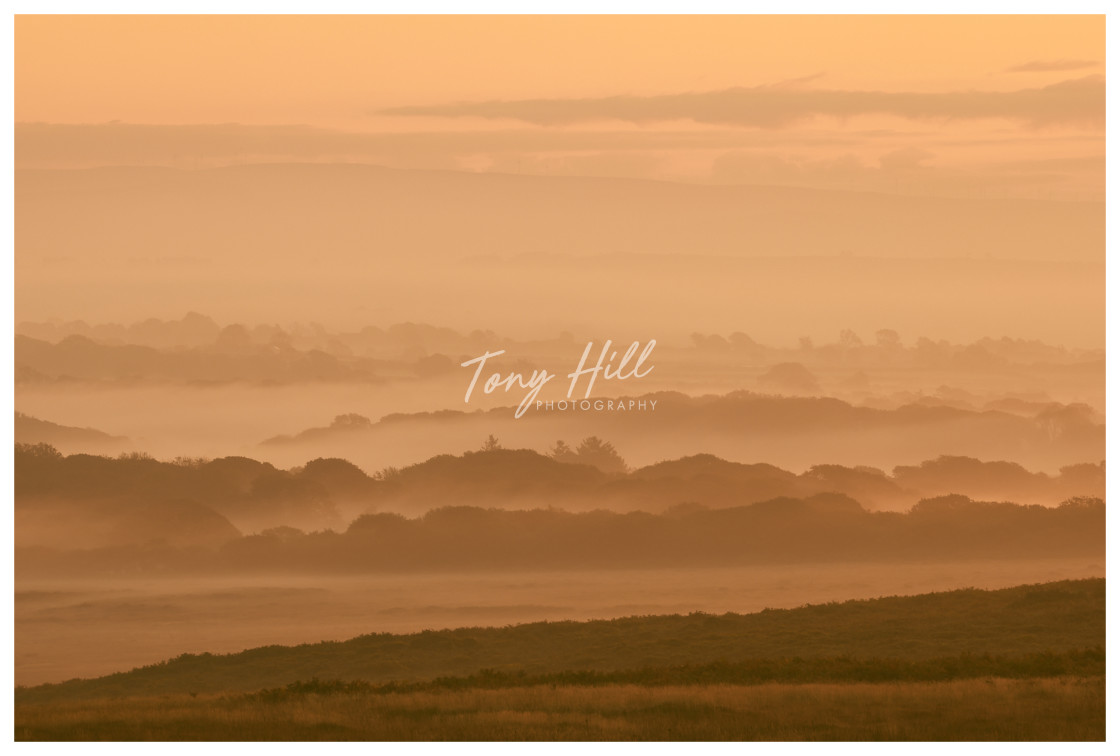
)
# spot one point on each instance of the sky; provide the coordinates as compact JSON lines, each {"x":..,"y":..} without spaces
{"x":988,"y":106}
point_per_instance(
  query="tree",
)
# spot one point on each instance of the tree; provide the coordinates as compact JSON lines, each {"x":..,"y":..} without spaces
{"x":561,"y":452}
{"x":888,"y":338}
{"x":601,"y":454}
{"x":849,"y":339}
{"x":38,"y":451}
{"x":491,"y":444}
{"x":351,"y":421}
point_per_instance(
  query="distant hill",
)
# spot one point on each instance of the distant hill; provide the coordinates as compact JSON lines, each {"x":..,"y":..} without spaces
{"x":787,"y":430}
{"x":1061,"y":617}
{"x":253,"y":495}
{"x":32,"y":430}
{"x":152,"y":523}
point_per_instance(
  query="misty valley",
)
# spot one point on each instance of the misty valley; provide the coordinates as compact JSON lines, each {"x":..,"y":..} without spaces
{"x":846,"y":471}
{"x":334,"y":517}
{"x":622,"y":382}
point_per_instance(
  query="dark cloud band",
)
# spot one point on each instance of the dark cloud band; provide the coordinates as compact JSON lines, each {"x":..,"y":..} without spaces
{"x":1077,"y":101}
{"x":1036,"y":66}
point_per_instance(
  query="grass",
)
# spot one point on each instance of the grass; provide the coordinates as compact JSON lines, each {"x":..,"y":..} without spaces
{"x":1063,"y":708}
{"x":1025,"y":663}
{"x":1079,"y":663}
{"x":1015,"y":622}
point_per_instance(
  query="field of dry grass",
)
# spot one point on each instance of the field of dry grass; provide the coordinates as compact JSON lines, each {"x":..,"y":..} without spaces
{"x":1065,"y":708}
{"x":1025,"y":663}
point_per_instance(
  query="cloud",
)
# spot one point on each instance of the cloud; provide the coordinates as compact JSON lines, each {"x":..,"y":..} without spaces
{"x":42,"y":145}
{"x":874,"y":160}
{"x":1077,"y":101}
{"x":1052,"y":65}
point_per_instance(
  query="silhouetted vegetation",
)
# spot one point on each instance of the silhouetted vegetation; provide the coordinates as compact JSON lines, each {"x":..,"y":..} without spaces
{"x":763,"y":426}
{"x":841,"y":669}
{"x":592,"y":451}
{"x":154,"y":348}
{"x":820,"y":528}
{"x":254,"y":494}
{"x":134,"y":513}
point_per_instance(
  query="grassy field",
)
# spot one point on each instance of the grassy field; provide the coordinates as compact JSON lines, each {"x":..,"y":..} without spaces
{"x":1051,"y":617}
{"x":1025,"y":663}
{"x":980,"y":709}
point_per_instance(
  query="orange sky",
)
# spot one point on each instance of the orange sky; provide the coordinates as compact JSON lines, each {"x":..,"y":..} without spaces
{"x":330,"y":71}
{"x":915,"y":127}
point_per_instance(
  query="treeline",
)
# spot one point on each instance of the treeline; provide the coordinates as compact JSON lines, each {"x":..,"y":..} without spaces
{"x":90,"y":502}
{"x":197,"y":331}
{"x":235,"y":489}
{"x":820,"y":528}
{"x":262,"y":495}
{"x":1041,"y":431}
{"x":233,"y":357}
{"x":410,"y":341}
{"x":886,"y":348}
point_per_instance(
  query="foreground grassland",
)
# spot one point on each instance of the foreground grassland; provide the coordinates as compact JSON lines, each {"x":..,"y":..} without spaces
{"x":1033,"y":619}
{"x":980,"y":709}
{"x":1025,"y":663}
